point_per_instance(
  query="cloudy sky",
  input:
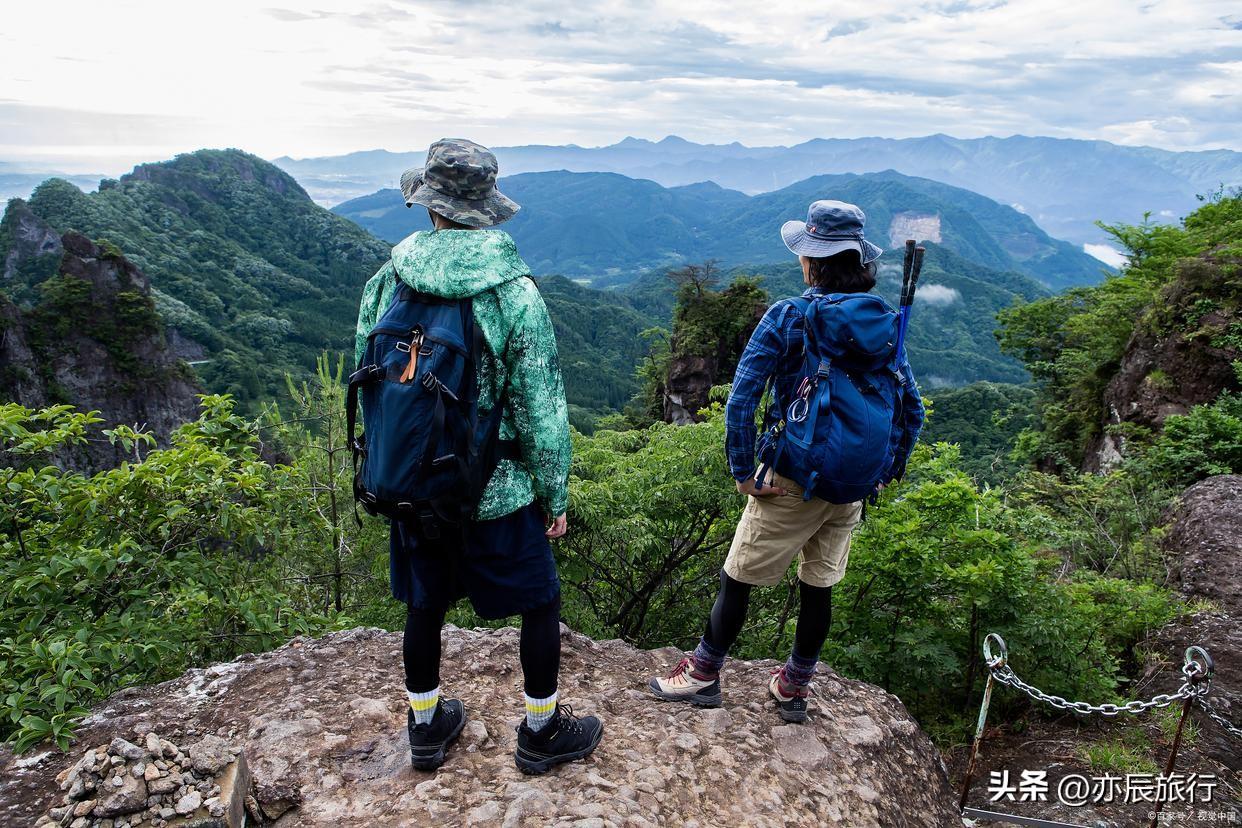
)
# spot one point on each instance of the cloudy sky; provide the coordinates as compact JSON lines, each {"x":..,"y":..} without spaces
{"x":97,"y":86}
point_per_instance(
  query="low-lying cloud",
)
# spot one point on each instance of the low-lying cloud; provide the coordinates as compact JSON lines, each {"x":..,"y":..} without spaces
{"x":938,"y":295}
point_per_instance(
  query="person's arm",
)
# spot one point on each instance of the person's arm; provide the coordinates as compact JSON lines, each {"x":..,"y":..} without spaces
{"x":537,"y":399}
{"x":368,"y":308}
{"x":758,"y":363}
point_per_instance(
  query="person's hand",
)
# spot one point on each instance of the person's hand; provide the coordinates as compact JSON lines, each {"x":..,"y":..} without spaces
{"x":560,"y":525}
{"x":750,"y":487}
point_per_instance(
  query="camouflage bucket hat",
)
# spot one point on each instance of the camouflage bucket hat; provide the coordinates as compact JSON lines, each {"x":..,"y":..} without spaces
{"x":459,"y":183}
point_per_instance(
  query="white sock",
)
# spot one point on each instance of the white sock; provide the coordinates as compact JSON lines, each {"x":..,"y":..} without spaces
{"x":424,"y":705}
{"x":539,"y":711}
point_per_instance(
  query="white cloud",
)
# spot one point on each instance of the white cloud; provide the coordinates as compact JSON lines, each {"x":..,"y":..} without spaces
{"x":347,"y":75}
{"x":1106,"y":253}
{"x":938,"y":295}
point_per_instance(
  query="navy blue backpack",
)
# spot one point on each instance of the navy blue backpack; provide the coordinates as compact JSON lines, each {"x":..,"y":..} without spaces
{"x":843,"y":432}
{"x":424,"y":454}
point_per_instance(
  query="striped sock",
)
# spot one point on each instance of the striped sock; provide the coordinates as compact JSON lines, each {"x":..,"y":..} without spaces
{"x":539,"y":711}
{"x":798,"y":670}
{"x":707,"y":660}
{"x":424,"y":705}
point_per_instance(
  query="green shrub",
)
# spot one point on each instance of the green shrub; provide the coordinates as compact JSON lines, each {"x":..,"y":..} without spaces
{"x":131,"y":574}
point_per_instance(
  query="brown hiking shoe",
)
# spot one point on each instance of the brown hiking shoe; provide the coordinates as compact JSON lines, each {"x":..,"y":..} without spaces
{"x":790,"y":698}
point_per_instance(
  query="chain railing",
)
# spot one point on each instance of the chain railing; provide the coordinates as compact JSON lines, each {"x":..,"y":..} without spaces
{"x":1197,"y":668}
{"x":1215,"y":715}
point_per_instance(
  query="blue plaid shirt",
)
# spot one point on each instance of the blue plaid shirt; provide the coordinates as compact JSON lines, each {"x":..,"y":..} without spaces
{"x":773,"y":353}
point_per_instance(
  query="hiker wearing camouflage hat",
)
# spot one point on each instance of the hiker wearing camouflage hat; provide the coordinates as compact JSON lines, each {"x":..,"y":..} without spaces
{"x":501,"y":557}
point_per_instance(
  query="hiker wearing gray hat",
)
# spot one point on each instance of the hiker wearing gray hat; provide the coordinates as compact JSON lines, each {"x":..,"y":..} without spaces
{"x":845,"y":415}
{"x":455,"y":324}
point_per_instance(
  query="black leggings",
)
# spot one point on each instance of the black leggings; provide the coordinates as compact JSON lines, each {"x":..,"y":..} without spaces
{"x":729,"y":613}
{"x":540,"y":649}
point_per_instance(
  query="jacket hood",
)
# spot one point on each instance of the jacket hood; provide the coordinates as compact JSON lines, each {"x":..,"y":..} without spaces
{"x":458,"y":263}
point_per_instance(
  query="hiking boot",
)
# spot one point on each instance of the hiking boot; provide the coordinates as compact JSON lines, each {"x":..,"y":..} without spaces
{"x":563,"y":739}
{"x":430,"y":741}
{"x":790,"y":698}
{"x":683,"y":684}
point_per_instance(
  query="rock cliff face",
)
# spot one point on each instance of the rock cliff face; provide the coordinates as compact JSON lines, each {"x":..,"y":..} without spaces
{"x":322,"y":726}
{"x":1169,"y":366}
{"x":93,"y":341}
{"x":1202,"y":547}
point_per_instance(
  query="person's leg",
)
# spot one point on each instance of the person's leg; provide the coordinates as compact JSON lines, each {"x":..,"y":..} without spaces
{"x":540,"y":654}
{"x":824,"y":558}
{"x":814,"y":619}
{"x":420,"y":650}
{"x":723,"y":625}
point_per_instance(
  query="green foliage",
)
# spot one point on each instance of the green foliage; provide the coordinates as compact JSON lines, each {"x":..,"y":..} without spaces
{"x":653,"y":512}
{"x":251,"y":265}
{"x":328,"y":561}
{"x":1118,"y":756}
{"x":983,"y":420}
{"x":599,"y":340}
{"x":129,"y":575}
{"x":1205,"y":441}
{"x":1072,"y":343}
{"x":937,"y":564}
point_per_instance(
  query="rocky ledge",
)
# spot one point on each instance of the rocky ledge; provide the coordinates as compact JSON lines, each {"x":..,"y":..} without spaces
{"x":322,"y":726}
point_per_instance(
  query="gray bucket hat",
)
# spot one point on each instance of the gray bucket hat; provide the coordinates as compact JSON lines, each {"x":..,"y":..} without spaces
{"x":830,"y":227}
{"x":459,"y":183}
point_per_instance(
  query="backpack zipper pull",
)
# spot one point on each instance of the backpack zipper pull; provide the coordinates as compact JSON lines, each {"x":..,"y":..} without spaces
{"x":416,"y":344}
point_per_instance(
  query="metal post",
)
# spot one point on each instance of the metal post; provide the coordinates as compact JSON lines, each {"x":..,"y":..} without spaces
{"x":1197,"y":667}
{"x":993,"y":663}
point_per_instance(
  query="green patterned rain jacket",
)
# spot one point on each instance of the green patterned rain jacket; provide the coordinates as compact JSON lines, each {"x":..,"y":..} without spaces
{"x":484,"y":264}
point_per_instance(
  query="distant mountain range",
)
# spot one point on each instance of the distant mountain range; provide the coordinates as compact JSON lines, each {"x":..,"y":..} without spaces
{"x":254,"y":279}
{"x":1064,"y":185}
{"x":607,"y":228}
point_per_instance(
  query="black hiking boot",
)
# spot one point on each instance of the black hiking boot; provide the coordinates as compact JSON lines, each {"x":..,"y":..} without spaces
{"x":430,"y":741}
{"x":790,"y":699}
{"x":563,"y":739}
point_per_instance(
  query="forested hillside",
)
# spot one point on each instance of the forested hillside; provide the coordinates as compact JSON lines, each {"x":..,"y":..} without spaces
{"x":254,"y":280}
{"x":951,"y":339}
{"x":242,"y":263}
{"x":604,"y":226}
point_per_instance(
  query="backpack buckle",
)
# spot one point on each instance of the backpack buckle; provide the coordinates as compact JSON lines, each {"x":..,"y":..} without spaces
{"x":825,"y":368}
{"x":428,"y":523}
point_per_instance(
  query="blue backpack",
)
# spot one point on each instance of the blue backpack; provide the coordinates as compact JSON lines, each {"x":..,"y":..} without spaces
{"x":424,"y":454}
{"x":844,"y":431}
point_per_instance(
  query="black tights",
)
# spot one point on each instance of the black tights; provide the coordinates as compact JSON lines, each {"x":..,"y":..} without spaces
{"x":539,"y":651}
{"x":729,"y":613}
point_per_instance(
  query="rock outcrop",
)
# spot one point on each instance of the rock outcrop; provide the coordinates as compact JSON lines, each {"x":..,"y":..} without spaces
{"x":1202,"y":544}
{"x":322,"y":725}
{"x":1172,"y":364}
{"x":93,"y":340}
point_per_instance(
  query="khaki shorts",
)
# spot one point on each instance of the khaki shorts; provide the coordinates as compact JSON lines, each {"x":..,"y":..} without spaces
{"x":774,"y":529}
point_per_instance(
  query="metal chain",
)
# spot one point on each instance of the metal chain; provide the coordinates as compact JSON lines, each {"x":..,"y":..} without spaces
{"x":1005,"y":675}
{"x":1231,"y":729}
{"x":1197,"y":669}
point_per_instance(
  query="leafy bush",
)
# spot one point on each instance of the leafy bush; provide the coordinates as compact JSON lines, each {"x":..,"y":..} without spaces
{"x":129,"y":575}
{"x":1072,"y":343}
{"x":937,"y":564}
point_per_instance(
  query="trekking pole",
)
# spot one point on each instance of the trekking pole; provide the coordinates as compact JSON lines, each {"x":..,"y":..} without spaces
{"x":911,"y":268}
